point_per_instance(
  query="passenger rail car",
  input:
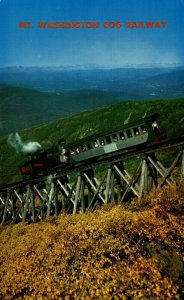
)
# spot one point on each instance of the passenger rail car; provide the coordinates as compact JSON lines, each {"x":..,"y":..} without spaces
{"x":125,"y":137}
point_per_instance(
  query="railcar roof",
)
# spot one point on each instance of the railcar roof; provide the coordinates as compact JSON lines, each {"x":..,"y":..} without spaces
{"x":138,"y":122}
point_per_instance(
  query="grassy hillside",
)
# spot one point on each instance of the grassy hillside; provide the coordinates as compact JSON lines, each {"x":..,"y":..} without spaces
{"x":25,"y":107}
{"x":88,"y":122}
{"x":118,"y":252}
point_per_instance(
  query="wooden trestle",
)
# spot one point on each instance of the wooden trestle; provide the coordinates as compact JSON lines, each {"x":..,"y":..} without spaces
{"x":82,"y":191}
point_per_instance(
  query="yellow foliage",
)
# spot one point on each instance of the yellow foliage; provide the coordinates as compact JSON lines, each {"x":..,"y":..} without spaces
{"x":134,"y":251}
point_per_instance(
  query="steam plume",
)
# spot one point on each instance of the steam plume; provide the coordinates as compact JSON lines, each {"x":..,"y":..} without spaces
{"x":15,"y":141}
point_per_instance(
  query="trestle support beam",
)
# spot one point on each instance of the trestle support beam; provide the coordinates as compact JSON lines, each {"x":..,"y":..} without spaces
{"x":86,"y":190}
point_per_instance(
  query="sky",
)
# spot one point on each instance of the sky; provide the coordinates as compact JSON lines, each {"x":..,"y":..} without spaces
{"x":106,"y":47}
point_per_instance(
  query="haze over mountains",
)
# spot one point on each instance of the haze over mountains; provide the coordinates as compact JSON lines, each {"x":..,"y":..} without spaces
{"x":34,"y":95}
{"x":123,"y":81}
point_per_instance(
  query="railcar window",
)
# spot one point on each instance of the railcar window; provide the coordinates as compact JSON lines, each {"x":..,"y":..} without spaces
{"x":77,"y":151}
{"x":89,"y":146}
{"x":115,"y":137}
{"x":102,"y":143}
{"x":72,"y":151}
{"x":108,"y":139}
{"x":143,"y":128}
{"x":121,"y":135}
{"x":83,"y":147}
{"x":129,"y":134}
{"x":136,"y":131}
{"x":95,"y":143}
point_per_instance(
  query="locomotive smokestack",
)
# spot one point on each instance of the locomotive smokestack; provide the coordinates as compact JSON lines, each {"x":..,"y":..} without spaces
{"x":15,"y":141}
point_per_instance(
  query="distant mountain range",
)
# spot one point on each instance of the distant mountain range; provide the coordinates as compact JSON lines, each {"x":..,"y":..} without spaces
{"x":141,"y":83}
{"x":31,"y":96}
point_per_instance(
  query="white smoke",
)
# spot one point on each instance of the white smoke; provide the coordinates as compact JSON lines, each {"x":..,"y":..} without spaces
{"x":15,"y":141}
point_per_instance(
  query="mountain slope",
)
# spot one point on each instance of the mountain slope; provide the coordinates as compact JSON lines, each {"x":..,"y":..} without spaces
{"x":22,"y":107}
{"x":117,"y":252}
{"x":88,"y":122}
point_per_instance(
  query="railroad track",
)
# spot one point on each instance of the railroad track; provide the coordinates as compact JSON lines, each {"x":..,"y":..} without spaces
{"x":34,"y":199}
{"x":59,"y":171}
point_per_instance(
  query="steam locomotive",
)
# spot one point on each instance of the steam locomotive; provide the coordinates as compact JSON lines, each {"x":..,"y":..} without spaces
{"x":132,"y":135}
